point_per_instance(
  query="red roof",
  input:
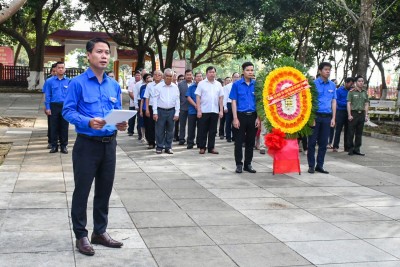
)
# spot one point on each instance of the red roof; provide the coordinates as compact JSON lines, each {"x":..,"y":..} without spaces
{"x":80,"y":35}
{"x":54,"y":50}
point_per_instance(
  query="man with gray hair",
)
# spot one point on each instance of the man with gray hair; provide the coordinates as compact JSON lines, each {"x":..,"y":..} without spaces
{"x":166,"y":107}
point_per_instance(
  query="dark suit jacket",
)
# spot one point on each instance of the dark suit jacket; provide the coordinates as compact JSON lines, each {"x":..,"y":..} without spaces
{"x":183,"y":87}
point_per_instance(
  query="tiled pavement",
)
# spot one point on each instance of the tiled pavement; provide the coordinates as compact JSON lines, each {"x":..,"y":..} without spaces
{"x":192,"y":210}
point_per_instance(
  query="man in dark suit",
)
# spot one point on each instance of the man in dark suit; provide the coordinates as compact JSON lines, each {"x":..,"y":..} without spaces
{"x":183,"y":113}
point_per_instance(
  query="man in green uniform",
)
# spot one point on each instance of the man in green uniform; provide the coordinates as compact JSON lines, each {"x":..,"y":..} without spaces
{"x":357,"y":108}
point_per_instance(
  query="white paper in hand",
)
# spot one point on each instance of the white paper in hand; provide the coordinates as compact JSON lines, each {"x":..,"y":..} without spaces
{"x":119,"y":115}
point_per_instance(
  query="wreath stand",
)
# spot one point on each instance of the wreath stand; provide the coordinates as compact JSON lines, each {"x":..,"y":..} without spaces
{"x":286,"y":160}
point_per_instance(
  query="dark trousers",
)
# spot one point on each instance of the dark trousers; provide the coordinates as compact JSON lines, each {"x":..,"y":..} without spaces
{"x":192,"y":125}
{"x":165,"y":128}
{"x":92,"y":160}
{"x":304,"y":142}
{"x":221,"y":128}
{"x":150,"y":125}
{"x":331,"y":134}
{"x":183,"y":117}
{"x":48,"y":130}
{"x":228,"y":122}
{"x":59,"y":126}
{"x":342,"y":120}
{"x":176,"y":131}
{"x":320,"y":135}
{"x":131,"y":122}
{"x":246,"y":133}
{"x":207,"y":128}
{"x":356,"y":127}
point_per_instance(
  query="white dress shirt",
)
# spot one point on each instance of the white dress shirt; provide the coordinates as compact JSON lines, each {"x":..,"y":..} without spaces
{"x":166,"y":96}
{"x":149,"y":93}
{"x":227,"y":91}
{"x":136,"y":93}
{"x":210,"y":92}
{"x":131,"y":86}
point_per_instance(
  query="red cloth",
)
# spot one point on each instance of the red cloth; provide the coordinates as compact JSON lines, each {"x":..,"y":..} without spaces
{"x":286,"y":160}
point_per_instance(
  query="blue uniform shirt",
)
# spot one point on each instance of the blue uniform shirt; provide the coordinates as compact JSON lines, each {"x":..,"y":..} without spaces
{"x":190,"y":92}
{"x":142,"y":91}
{"x":87,"y":98}
{"x":342,"y":98}
{"x":326,"y":92}
{"x":244,"y":95}
{"x":55,"y":90}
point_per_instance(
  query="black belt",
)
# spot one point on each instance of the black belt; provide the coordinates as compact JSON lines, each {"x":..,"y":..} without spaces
{"x":166,"y":109}
{"x":324,"y":115}
{"x":358,"y":111}
{"x":248,"y":113}
{"x":103,"y":139}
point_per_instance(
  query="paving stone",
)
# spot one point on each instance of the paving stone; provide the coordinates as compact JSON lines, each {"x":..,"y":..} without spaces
{"x":389,"y":245}
{"x":36,"y":186}
{"x":178,"y":193}
{"x":371,"y":229}
{"x":225,"y":183}
{"x":278,"y":182}
{"x":146,"y":200}
{"x":38,"y":201}
{"x":241,"y":193}
{"x":321,"y":202}
{"x":202,"y":204}
{"x":347,"y":214}
{"x":161,"y":219}
{"x":233,"y":217}
{"x":136,"y":183}
{"x":280,"y":216}
{"x":374,"y":201}
{"x":352,"y":191}
{"x":5,"y":200}
{"x":116,"y":257}
{"x":391,"y":212}
{"x":168,"y":176}
{"x":259,"y":203}
{"x":118,"y":218}
{"x":178,"y":184}
{"x":366,"y":264}
{"x":130,"y":237}
{"x":238,"y":234}
{"x":339,"y":251}
{"x":390,"y":190}
{"x":42,"y":259}
{"x":268,"y":254}
{"x":175,"y":237}
{"x":210,"y":256}
{"x":307,"y":231}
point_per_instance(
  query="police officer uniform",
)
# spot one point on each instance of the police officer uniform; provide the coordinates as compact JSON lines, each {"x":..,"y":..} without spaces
{"x":357,"y":100}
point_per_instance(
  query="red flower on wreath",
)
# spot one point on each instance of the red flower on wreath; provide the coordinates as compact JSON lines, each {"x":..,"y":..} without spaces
{"x":275,"y":140}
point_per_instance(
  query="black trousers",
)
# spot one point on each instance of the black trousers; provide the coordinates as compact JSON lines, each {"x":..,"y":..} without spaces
{"x":228,"y":122}
{"x":176,"y":130}
{"x":183,"y":117}
{"x":131,"y":122}
{"x":221,"y":129}
{"x":48,"y":130}
{"x":150,"y":125}
{"x":92,"y":160}
{"x":356,"y":127}
{"x":59,"y":126}
{"x":342,"y":120}
{"x":246,"y":133}
{"x":207,"y":128}
{"x":192,"y":125}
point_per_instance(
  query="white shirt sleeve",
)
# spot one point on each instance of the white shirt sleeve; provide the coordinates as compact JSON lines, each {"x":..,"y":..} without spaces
{"x":225,"y":98}
{"x":155,"y":99}
{"x":177,"y":101}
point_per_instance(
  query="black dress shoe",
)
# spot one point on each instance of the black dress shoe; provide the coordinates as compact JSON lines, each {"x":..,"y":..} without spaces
{"x":228,"y":140}
{"x":359,"y":153}
{"x":105,"y":240}
{"x":54,"y":149}
{"x":64,"y":150}
{"x":181,"y":143}
{"x":84,"y":246}
{"x":321,"y":170}
{"x":311,"y":170}
{"x":351,"y":153}
{"x":249,"y":168}
{"x":189,"y":147}
{"x":49,"y":146}
{"x":239,"y":168}
{"x":221,"y":137}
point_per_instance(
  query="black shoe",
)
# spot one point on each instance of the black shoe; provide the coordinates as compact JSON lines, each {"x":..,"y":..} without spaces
{"x":130,"y":134}
{"x":311,"y":170}
{"x":49,"y":146}
{"x":169,"y":151}
{"x":64,"y":150}
{"x":189,"y":147}
{"x":359,"y":153}
{"x":249,"y":168}
{"x":54,"y":149}
{"x":221,"y":137}
{"x":321,"y":170}
{"x":181,"y":143}
{"x":351,"y":153}
{"x":228,"y":140}
{"x":239,"y":168}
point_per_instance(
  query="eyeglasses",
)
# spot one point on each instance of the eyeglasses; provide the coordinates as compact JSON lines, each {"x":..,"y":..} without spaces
{"x":168,"y":75}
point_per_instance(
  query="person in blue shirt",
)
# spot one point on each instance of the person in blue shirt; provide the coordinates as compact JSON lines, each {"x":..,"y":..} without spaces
{"x":52,"y":74}
{"x":90,"y":97}
{"x":192,"y":111}
{"x":147,"y":78}
{"x":245,"y":120}
{"x":55,"y":91}
{"x":341,"y":115}
{"x":324,"y":118}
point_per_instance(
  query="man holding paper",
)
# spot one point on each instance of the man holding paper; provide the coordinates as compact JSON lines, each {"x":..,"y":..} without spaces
{"x":92,"y":96}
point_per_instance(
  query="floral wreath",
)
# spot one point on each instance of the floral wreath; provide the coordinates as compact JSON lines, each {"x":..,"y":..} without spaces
{"x":287,"y":100}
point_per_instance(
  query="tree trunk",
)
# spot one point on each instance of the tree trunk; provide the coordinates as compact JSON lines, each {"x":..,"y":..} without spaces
{"x":13,"y":7}
{"x":174,"y":30}
{"x":364,"y":29}
{"x":141,"y":57}
{"x":398,"y":93}
{"x":16,"y":56}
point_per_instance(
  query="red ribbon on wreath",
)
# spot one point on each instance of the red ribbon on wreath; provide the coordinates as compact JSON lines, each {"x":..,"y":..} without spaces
{"x":275,"y":141}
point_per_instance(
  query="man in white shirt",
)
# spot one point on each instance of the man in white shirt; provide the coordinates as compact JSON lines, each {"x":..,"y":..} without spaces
{"x":228,"y":107}
{"x":136,"y":95}
{"x":131,"y":86}
{"x":209,"y":100}
{"x":149,"y":123}
{"x":166,"y":106}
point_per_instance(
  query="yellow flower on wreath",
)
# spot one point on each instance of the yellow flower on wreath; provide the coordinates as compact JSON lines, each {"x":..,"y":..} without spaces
{"x":287,"y":123}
